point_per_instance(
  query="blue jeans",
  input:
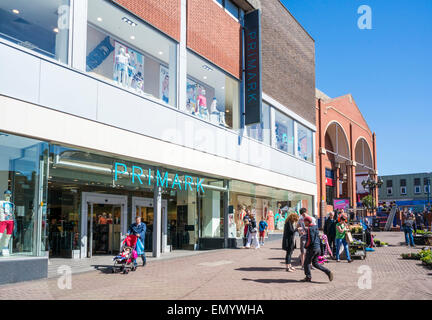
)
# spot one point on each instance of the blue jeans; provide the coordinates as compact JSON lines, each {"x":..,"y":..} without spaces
{"x":345,"y":244}
{"x":409,"y":239}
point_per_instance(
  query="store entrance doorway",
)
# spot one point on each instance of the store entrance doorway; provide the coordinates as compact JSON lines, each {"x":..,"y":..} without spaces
{"x":143,"y":207}
{"x":104,"y":223}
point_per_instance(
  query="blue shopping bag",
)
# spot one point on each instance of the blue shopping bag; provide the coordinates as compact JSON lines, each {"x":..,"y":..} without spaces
{"x":139,"y":247}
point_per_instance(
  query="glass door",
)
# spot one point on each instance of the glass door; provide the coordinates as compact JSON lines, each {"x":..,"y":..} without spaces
{"x":104,"y":223}
{"x":147,"y":216}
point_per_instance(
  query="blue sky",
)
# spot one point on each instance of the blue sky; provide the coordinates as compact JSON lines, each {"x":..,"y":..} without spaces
{"x":388,"y":70}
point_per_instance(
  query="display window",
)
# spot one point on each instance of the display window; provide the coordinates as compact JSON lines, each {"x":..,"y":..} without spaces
{"x":268,"y":204}
{"x":284,"y":132}
{"x":304,"y":143}
{"x":211,"y":94}
{"x":23,"y":182}
{"x":41,"y":26}
{"x":130,"y":54}
{"x":261,"y":131}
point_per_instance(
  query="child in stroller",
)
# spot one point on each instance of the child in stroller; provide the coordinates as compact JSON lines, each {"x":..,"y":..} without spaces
{"x":125,"y":261}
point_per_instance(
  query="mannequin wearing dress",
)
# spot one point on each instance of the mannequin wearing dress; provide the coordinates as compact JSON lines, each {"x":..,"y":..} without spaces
{"x":270,"y":220}
{"x":6,"y":221}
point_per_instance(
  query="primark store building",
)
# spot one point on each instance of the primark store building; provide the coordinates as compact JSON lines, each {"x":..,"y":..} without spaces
{"x":117,"y":109}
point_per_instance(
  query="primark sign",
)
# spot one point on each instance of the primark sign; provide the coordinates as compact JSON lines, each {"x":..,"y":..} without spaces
{"x":137,"y":175}
{"x":252,"y":52}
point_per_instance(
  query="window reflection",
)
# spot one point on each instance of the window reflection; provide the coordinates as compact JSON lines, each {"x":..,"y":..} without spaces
{"x":127,"y":52}
{"x":41,"y":26}
{"x":211,"y":94}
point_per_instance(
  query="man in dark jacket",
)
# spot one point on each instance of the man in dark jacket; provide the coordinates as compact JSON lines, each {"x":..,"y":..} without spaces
{"x":330,"y":231}
{"x":313,"y":250}
{"x":139,"y":229}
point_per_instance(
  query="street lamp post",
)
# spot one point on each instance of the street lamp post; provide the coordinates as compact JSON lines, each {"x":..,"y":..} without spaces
{"x":372,"y":185}
{"x":428,"y":184}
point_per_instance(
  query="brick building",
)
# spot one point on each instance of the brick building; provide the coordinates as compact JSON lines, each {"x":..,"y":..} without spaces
{"x":124,"y":108}
{"x":346,"y":152}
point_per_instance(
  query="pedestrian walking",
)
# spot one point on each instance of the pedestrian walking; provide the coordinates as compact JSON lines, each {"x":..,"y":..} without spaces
{"x":330,"y":232}
{"x":253,"y":233}
{"x":313,"y":250}
{"x":341,"y":230}
{"x":408,"y":228}
{"x":290,"y":229}
{"x":246,"y":221}
{"x":262,"y":230}
{"x":138,"y":229}
{"x":302,"y":232}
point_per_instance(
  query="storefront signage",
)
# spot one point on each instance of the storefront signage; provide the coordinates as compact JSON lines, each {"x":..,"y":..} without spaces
{"x":341,"y":204}
{"x":329,"y":182}
{"x":136,"y":175}
{"x":252,"y":51}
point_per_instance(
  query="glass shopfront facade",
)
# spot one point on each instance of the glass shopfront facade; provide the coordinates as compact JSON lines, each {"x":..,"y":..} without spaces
{"x":269,"y":204}
{"x":74,"y":203}
{"x":23,"y":185}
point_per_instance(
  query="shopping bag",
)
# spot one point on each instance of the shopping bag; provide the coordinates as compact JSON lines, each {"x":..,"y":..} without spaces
{"x":139,"y":247}
{"x":348,"y":237}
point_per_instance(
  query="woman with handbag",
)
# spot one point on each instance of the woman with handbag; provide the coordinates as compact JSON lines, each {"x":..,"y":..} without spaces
{"x":290,"y":229}
{"x":341,"y":233}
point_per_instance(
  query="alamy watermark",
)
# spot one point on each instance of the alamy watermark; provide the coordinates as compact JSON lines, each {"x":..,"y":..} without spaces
{"x":365,"y":20}
{"x":365,"y":280}
{"x":65,"y":279}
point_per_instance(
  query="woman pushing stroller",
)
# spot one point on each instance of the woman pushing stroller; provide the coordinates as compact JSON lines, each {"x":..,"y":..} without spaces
{"x":138,"y":228}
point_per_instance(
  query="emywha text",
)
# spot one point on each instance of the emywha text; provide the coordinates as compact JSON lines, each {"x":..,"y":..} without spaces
{"x":217,"y":309}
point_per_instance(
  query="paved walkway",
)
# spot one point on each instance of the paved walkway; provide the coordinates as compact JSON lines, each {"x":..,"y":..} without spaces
{"x":243,"y":274}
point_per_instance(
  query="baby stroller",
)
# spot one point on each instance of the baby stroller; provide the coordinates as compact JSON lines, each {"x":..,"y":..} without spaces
{"x":124,"y":262}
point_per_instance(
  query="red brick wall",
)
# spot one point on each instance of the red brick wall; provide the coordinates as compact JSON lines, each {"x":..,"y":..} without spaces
{"x":162,"y":14}
{"x":347,"y":115}
{"x":214,"y":34}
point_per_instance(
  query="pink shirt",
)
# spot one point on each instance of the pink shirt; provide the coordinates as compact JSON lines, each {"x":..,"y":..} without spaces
{"x":202,"y":101}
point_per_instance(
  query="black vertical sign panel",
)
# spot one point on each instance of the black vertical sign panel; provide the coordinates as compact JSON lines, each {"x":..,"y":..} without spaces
{"x":252,"y":52}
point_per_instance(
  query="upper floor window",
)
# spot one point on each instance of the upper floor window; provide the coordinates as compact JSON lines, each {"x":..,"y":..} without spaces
{"x":129,"y":53}
{"x":389,"y":183}
{"x":230,"y":7}
{"x":329,"y":173}
{"x":284,"y":132}
{"x":261,"y":131}
{"x":212,"y":95}
{"x":305,"y":143}
{"x":41,"y":26}
{"x":403,"y":182}
{"x":416,"y":181}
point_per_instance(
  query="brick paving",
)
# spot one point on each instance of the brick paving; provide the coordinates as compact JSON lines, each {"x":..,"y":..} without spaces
{"x":243,"y":274}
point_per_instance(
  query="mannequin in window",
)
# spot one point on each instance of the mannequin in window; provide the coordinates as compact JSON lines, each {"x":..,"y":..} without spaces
{"x":7,"y":210}
{"x":122,"y":67}
{"x":202,"y":104}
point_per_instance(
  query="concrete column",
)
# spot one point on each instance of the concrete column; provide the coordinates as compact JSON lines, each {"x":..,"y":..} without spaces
{"x":157,"y":222}
{"x":226,"y":212}
{"x":182,"y":57}
{"x":79,"y":35}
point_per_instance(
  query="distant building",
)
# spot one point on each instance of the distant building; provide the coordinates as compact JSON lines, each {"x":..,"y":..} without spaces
{"x":407,"y":190}
{"x":345,"y":152}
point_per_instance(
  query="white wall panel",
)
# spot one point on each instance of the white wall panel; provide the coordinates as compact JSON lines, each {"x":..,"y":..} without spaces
{"x":67,"y":91}
{"x":19,"y":74}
